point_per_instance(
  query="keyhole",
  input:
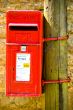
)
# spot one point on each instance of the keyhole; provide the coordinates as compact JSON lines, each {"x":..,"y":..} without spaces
{"x":13,"y":69}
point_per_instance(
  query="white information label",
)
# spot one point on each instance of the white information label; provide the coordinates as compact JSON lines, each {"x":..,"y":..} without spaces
{"x":22,"y":67}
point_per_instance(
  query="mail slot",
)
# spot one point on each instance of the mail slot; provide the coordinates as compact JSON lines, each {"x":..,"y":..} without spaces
{"x":24,"y":53}
{"x":23,"y":27}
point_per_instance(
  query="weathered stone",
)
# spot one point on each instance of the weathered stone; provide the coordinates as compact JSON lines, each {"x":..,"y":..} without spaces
{"x":13,"y":103}
{"x":22,"y":101}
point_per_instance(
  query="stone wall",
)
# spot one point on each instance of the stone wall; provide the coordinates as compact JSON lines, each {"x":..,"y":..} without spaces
{"x":70,"y":21}
{"x":70,"y":41}
{"x":11,"y":103}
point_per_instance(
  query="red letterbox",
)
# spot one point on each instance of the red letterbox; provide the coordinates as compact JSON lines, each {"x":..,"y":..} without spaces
{"x":24,"y":53}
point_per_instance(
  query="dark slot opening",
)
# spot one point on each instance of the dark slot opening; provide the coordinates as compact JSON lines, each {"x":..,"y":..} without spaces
{"x":23,"y":28}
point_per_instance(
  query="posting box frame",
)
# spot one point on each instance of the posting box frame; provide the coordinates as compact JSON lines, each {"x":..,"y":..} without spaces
{"x":24,"y":53}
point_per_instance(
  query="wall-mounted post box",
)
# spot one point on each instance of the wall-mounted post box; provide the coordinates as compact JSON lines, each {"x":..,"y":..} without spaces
{"x":24,"y":53}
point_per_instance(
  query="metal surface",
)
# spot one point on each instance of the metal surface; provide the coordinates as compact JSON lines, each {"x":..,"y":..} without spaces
{"x":24,"y":28}
{"x":56,"y":81}
{"x":56,"y":38}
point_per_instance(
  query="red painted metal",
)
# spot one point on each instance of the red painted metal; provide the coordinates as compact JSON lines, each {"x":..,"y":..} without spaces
{"x":56,"y":38}
{"x":56,"y":81}
{"x":24,"y":30}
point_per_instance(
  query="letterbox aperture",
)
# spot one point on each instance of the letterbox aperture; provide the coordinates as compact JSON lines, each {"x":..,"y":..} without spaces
{"x":24,"y":53}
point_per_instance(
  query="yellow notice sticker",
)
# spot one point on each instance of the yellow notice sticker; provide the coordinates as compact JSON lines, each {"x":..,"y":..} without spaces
{"x":26,"y":65}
